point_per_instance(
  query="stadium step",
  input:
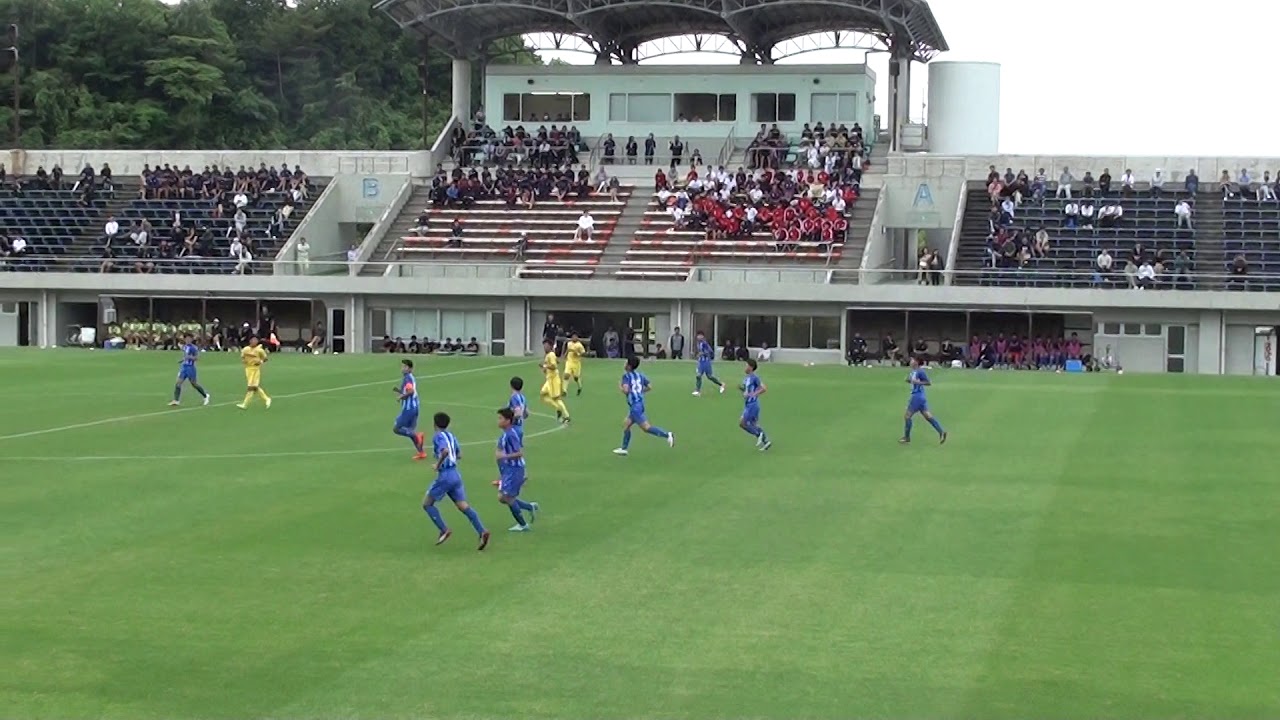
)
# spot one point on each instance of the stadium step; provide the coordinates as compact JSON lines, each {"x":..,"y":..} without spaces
{"x":1210,"y":250}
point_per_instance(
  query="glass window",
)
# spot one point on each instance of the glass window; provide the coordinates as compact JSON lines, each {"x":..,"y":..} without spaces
{"x":511,"y":108}
{"x":796,"y":331}
{"x":1110,"y":328}
{"x":475,"y":322}
{"x":764,"y":107}
{"x":705,"y":322}
{"x":848,"y":110}
{"x":1174,"y":365}
{"x":402,"y":324}
{"x":1177,"y":342}
{"x":554,"y":107}
{"x":653,"y":108}
{"x":731,"y":327}
{"x":453,"y":323}
{"x":823,"y":107}
{"x":618,"y":107}
{"x":826,"y":332}
{"x":762,"y":329}
{"x":728,"y":108}
{"x":1151,"y":329}
{"x":695,"y":107}
{"x":427,"y":324}
{"x":378,"y":322}
{"x":786,"y":107}
{"x":497,"y":326}
{"x":1132,"y":329}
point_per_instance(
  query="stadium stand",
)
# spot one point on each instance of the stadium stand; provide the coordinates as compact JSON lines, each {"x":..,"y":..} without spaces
{"x":1056,"y":242}
{"x":511,"y":216}
{"x":39,"y":227}
{"x":1252,"y":243}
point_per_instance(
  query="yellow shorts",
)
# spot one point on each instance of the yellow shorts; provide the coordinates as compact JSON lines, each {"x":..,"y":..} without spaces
{"x":551,"y":389}
{"x":573,"y":370}
{"x":253,"y":377}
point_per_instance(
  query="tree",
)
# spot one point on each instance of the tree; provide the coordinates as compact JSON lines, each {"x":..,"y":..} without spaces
{"x":235,"y":74}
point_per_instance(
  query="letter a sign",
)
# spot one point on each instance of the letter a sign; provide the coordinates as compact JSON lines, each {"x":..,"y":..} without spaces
{"x":924,"y":197}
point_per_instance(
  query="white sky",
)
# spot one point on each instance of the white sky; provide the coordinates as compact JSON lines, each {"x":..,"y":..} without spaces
{"x":1105,"y":77}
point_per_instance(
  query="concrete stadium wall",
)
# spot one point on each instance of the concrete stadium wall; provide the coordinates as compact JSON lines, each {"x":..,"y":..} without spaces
{"x":974,"y":167}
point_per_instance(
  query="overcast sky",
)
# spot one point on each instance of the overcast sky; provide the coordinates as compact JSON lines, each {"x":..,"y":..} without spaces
{"x":1107,"y":77}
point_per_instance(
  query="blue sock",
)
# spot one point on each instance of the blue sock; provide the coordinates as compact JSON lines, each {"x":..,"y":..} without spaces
{"x":626,"y":438}
{"x":515,"y":513}
{"x":656,"y":431}
{"x":751,"y":430}
{"x":433,"y":512}
{"x":906,"y":429}
{"x":523,"y":505}
{"x":470,"y":512}
{"x":715,"y":380}
{"x":936,"y":425}
{"x":200,"y":389}
{"x":697,"y":383}
{"x":177,"y":393}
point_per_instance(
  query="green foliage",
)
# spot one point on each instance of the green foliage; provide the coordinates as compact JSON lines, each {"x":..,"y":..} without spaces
{"x":234,"y":74}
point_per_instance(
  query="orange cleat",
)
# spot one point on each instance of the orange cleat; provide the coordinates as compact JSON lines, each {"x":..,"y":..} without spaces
{"x":420,"y":456}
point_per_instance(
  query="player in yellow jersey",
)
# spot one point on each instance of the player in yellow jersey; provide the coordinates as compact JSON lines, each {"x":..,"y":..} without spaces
{"x":253,"y":356}
{"x":552,"y":392}
{"x":573,"y":353}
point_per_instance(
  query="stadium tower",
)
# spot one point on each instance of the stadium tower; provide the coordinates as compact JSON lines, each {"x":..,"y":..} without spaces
{"x":623,"y":32}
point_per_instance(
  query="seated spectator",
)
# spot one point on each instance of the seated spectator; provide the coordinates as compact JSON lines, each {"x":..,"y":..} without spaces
{"x":1104,"y":182}
{"x":111,"y":230}
{"x":108,"y":260}
{"x":660,"y":353}
{"x":1192,"y":183}
{"x":1264,"y":191}
{"x":1104,"y":262}
{"x":765,"y":354}
{"x":1131,"y":273}
{"x":455,"y":233}
{"x":1224,"y":185}
{"x":1064,"y":184}
{"x":1179,"y":269}
{"x":857,"y":353}
{"x":1157,"y":182}
{"x":1040,"y":247}
{"x":424,"y":224}
{"x":472,"y":347}
{"x":1239,"y":270}
{"x":1070,"y":215}
{"x":1039,"y":185}
{"x":586,"y":225}
{"x":1146,"y":275}
{"x":1110,"y":215}
{"x":1086,"y":214}
{"x":317,"y":342}
{"x":889,"y":349}
{"x":1183,"y":213}
{"x":948,"y":352}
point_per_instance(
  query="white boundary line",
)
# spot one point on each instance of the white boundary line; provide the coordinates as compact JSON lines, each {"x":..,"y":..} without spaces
{"x":172,"y":411}
{"x":269,"y":455}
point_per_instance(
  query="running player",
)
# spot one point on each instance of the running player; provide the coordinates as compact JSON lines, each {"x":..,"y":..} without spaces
{"x":253,"y":356}
{"x":407,"y":420}
{"x":518,"y":406}
{"x":511,"y":477}
{"x":634,"y":386}
{"x":448,"y":483}
{"x":752,"y":388}
{"x":917,"y":403}
{"x":187,"y":371}
{"x":573,"y":353}
{"x":552,"y":392}
{"x":705,"y":354}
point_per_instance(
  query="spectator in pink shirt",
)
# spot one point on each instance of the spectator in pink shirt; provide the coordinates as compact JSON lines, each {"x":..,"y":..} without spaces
{"x":1073,"y":347}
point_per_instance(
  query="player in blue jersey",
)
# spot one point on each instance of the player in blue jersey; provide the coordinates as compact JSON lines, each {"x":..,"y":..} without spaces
{"x":917,"y":403}
{"x":752,"y":388}
{"x":448,"y":483}
{"x":518,"y":405}
{"x":634,"y":386}
{"x":705,"y":354}
{"x":187,"y":371}
{"x":407,"y":420}
{"x":511,"y":474}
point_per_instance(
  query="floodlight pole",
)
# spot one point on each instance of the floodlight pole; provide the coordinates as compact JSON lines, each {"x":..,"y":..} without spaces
{"x":423,"y":69}
{"x":17,"y":86}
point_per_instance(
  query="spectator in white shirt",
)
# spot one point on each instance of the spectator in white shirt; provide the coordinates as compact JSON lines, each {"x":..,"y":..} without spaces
{"x":1110,"y":215}
{"x":1064,"y":184}
{"x":1146,"y":275}
{"x":353,"y":254}
{"x":111,"y":229}
{"x":1071,"y":214}
{"x":302,"y":251}
{"x":1183,"y":212}
{"x":141,"y":232}
{"x":1086,"y":214}
{"x":237,"y":248}
{"x":1264,"y":191}
{"x":586,"y":224}
{"x":243,"y":260}
{"x":1105,"y":261}
{"x":18,"y":248}
{"x":1157,"y":182}
{"x":1008,"y":207}
{"x":241,"y":221}
{"x":1127,"y":182}
{"x":240,"y":200}
{"x":765,"y":354}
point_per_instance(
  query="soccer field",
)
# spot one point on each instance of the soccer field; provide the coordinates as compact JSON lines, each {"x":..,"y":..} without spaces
{"x":1082,"y":546}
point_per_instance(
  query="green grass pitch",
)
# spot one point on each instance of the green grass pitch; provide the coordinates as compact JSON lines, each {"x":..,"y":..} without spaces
{"x":1083,"y":546}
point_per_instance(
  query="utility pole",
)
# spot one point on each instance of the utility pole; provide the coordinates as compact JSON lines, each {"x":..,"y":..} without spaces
{"x":422,"y":76}
{"x":17,"y":83}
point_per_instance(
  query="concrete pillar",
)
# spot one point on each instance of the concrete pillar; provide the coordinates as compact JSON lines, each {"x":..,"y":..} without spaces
{"x":462,"y":108}
{"x":899,"y":99}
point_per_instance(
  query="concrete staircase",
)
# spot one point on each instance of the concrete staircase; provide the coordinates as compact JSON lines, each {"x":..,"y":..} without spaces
{"x":974,"y":229}
{"x":624,"y":231}
{"x":1209,"y":250}
{"x":845,"y":270}
{"x":403,"y":224}
{"x":83,"y":250}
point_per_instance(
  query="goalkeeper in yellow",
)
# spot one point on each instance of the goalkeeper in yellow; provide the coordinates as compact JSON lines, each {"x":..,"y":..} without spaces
{"x":573,"y":353}
{"x":552,"y":392}
{"x":253,"y":356}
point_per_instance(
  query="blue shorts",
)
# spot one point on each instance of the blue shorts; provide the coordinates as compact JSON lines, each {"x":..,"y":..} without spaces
{"x":636,"y":416}
{"x":448,"y":482}
{"x":917,"y":404}
{"x":186,"y":374}
{"x":704,"y":367}
{"x":751,"y":414}
{"x":511,"y":480}
{"x":407,"y":420}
